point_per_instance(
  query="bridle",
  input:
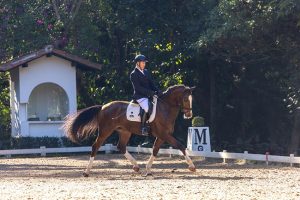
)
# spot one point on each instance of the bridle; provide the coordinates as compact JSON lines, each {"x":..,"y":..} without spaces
{"x":183,"y":109}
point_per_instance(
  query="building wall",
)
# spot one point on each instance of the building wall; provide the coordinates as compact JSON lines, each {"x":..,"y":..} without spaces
{"x":14,"y":101}
{"x":50,"y":129}
{"x":44,"y":70}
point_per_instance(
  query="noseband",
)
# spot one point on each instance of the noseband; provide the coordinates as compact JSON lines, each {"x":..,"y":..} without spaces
{"x":183,"y":109}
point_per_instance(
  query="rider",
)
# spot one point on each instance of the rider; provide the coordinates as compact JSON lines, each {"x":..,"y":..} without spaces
{"x":143,"y":87}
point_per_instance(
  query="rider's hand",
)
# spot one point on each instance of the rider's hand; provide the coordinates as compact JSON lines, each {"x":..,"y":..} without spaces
{"x":158,"y":93}
{"x":152,"y":93}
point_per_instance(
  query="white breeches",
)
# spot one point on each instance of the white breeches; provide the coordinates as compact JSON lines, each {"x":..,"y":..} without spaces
{"x":144,"y":103}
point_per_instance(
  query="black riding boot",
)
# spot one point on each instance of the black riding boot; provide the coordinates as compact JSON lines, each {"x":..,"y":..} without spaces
{"x":145,"y":129}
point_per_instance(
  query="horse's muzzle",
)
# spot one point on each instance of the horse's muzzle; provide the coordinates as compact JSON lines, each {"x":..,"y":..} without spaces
{"x":188,"y":114}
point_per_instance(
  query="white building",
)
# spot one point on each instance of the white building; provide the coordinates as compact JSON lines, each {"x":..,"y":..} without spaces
{"x":43,"y":91}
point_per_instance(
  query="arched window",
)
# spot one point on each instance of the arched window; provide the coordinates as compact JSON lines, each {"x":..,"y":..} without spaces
{"x":47,"y":102}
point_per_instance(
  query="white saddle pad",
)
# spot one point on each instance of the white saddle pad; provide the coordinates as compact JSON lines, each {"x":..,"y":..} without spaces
{"x":133,"y":112}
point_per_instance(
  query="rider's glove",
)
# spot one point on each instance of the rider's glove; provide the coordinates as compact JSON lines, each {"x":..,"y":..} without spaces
{"x":158,"y":93}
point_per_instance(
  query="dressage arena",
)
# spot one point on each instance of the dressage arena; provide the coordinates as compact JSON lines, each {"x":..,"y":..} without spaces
{"x":112,"y":178}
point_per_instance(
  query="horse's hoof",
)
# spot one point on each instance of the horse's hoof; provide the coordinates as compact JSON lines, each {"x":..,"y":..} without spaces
{"x":136,"y":168}
{"x":192,"y":169}
{"x":147,"y":174}
{"x":85,"y":174}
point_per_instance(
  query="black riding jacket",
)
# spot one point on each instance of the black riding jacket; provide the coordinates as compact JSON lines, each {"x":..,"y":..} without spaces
{"x":143,"y":85}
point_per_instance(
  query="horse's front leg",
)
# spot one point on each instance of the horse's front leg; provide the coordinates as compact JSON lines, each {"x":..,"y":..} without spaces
{"x":190,"y":163}
{"x":158,"y":142}
{"x":172,"y":141}
{"x":123,"y":140}
{"x":135,"y":167}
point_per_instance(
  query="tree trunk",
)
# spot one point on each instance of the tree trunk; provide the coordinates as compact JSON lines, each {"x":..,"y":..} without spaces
{"x":295,"y":137}
{"x":245,"y":114}
{"x":62,"y":40}
{"x":212,"y":77}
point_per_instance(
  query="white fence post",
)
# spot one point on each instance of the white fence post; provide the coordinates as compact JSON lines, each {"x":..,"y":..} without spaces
{"x":43,"y":151}
{"x":108,"y":148}
{"x":139,"y":149}
{"x":170,"y":152}
{"x":245,"y":156}
{"x":291,"y":159}
{"x":224,"y":156}
{"x":267,"y":158}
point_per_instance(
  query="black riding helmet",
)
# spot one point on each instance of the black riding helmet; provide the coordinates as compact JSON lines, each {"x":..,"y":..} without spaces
{"x":140,"y":58}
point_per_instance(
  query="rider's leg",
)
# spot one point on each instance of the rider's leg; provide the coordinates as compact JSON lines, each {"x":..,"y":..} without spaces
{"x":144,"y":103}
{"x":144,"y":125}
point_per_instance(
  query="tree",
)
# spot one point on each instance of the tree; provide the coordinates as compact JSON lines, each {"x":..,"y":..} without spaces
{"x":4,"y":107}
{"x":249,"y":39}
{"x":243,"y":56}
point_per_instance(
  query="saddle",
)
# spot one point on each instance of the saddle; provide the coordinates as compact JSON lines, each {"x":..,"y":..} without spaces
{"x":133,"y":111}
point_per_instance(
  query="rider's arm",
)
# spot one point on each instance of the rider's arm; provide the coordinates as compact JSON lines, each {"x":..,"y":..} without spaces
{"x":138,"y":87}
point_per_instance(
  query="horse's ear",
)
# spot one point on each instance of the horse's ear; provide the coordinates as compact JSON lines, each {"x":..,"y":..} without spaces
{"x":192,"y":88}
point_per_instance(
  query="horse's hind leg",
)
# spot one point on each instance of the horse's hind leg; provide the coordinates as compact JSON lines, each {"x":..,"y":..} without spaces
{"x":158,"y":142}
{"x":123,"y":140}
{"x":99,"y":141}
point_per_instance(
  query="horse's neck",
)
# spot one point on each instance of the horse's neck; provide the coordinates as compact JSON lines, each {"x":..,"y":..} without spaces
{"x":168,"y":105}
{"x":171,"y":99}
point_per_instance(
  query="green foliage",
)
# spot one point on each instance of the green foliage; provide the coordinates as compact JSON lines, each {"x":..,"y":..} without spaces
{"x":34,"y":142}
{"x":198,"y":121}
{"x":252,"y":46}
{"x":243,"y":56}
{"x":49,"y":142}
{"x":4,"y":107}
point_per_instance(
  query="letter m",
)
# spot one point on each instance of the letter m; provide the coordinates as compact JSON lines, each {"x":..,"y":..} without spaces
{"x":198,"y":136}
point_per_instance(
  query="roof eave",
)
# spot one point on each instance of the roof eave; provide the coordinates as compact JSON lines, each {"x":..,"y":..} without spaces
{"x":48,"y":50}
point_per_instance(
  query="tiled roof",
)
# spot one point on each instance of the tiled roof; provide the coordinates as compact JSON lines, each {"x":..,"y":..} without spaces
{"x":48,"y":50}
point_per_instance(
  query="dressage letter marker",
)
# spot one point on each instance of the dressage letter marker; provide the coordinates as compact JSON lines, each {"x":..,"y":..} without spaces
{"x":198,"y":139}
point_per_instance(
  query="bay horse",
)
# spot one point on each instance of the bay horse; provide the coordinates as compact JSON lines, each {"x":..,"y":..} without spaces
{"x":112,"y":117}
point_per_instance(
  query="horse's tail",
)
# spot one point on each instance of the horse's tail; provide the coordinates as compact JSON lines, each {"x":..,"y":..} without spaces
{"x":80,"y":125}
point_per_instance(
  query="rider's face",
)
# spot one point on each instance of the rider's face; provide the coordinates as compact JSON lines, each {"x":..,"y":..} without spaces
{"x":142,"y":65}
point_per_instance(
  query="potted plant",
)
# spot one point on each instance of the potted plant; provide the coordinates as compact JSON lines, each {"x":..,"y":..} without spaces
{"x":198,"y":121}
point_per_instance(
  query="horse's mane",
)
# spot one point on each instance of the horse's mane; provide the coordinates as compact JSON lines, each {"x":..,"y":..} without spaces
{"x":172,"y":88}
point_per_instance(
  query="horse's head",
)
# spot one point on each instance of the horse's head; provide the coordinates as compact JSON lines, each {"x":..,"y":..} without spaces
{"x":182,"y":97}
{"x":186,"y":104}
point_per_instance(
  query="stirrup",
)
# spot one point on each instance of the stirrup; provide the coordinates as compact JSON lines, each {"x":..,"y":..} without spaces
{"x":145,"y":131}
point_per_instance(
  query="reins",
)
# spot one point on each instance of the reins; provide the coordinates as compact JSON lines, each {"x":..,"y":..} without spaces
{"x":177,"y":105}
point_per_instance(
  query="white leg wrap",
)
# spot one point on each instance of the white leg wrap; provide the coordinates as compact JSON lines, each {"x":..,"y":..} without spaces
{"x":189,"y":161}
{"x":149,"y":164}
{"x":131,"y":159}
{"x":87,"y":171}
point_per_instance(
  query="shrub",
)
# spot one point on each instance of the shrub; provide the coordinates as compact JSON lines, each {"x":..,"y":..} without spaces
{"x":198,"y":121}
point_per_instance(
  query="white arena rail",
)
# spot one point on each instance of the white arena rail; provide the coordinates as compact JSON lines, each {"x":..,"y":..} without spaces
{"x":108,"y":148}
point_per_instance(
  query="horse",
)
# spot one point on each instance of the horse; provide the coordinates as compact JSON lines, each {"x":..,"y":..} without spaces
{"x":112,"y":117}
